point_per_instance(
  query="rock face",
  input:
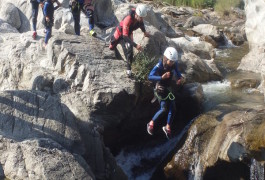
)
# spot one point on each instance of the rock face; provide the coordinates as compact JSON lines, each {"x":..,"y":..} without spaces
{"x":21,"y":7}
{"x":69,"y":63}
{"x":24,"y":115}
{"x":40,"y":159}
{"x":10,"y":14}
{"x":28,"y":115}
{"x":254,"y":61}
{"x":225,"y":134}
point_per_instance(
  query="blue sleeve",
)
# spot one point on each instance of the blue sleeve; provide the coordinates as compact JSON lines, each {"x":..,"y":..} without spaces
{"x":177,"y":71}
{"x":153,"y":74}
{"x":45,"y":9}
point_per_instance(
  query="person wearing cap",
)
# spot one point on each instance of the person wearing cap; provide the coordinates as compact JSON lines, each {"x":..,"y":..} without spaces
{"x":163,"y":74}
{"x":124,"y":34}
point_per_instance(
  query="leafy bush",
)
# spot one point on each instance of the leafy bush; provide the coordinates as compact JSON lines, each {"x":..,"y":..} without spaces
{"x":142,"y":66}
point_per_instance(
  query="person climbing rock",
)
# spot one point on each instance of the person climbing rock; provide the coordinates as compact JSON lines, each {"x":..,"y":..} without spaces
{"x":35,"y":10}
{"x":48,"y":12}
{"x":86,"y":6}
{"x":163,"y":74}
{"x":124,"y":34}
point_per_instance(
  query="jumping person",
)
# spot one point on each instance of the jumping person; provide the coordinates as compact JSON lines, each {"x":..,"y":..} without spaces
{"x":124,"y":34}
{"x":163,"y":74}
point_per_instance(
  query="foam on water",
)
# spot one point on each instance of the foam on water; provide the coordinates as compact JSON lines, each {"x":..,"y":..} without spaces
{"x":216,"y":92}
{"x":128,"y":160}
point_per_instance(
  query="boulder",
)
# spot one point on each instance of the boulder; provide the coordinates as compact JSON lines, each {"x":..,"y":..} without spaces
{"x":196,"y":69}
{"x":6,"y":28}
{"x":41,"y":158}
{"x":10,"y":14}
{"x":194,"y":21}
{"x":226,"y":134}
{"x":213,"y":31}
{"x":189,"y":44}
{"x":24,"y":9}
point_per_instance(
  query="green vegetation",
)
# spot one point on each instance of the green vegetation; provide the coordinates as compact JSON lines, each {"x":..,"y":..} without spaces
{"x":191,"y":3}
{"x":142,"y":66}
{"x":222,"y":6}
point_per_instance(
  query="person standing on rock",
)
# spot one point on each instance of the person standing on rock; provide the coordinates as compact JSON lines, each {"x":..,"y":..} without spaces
{"x":89,"y":11}
{"x":35,"y":10}
{"x":86,"y":6}
{"x":124,"y":34}
{"x":76,"y":7}
{"x":162,"y":74}
{"x":48,"y":12}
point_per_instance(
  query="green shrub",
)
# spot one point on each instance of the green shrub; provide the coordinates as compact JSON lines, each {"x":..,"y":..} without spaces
{"x":220,"y":5}
{"x":192,"y":3}
{"x":224,"y":6}
{"x":142,"y":66}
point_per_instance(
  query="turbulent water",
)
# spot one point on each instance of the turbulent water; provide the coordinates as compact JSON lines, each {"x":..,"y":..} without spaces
{"x":140,"y":164}
{"x":256,"y":170}
{"x":227,"y":60}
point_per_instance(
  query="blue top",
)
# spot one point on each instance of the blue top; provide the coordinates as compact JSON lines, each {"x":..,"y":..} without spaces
{"x":159,"y":70}
{"x":48,"y":9}
{"x":39,"y":1}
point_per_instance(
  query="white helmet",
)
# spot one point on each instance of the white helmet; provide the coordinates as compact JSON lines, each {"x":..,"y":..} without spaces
{"x":141,"y":10}
{"x":171,"y":54}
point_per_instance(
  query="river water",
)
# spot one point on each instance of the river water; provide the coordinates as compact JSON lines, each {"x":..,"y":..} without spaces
{"x":140,"y":164}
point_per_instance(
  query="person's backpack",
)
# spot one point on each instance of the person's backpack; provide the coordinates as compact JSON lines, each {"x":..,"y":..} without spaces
{"x":74,"y":5}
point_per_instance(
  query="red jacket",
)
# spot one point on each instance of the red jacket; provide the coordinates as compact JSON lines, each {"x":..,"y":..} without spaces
{"x":129,"y":24}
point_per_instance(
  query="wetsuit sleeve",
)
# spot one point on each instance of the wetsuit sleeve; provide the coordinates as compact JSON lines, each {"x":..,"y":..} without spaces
{"x":153,"y":74}
{"x":125,"y":30}
{"x":142,"y":27}
{"x":177,"y":73}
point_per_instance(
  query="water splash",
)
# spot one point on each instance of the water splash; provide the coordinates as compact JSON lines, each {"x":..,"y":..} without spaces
{"x":222,"y":53}
{"x":228,"y":43}
{"x":216,"y":92}
{"x":128,"y":161}
{"x":256,"y":170}
{"x":196,"y":168}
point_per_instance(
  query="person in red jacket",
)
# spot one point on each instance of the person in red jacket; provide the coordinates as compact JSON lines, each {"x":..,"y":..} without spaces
{"x":124,"y":34}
